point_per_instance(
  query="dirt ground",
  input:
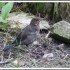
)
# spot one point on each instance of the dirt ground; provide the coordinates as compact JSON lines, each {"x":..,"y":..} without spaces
{"x":52,"y":54}
{"x":47,"y":53}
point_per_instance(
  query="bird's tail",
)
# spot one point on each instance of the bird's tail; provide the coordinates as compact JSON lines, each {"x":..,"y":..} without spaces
{"x":9,"y":47}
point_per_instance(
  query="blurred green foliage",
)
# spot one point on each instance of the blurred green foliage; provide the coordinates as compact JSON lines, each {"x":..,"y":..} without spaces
{"x":36,"y":8}
{"x":2,"y":4}
{"x":5,"y":11}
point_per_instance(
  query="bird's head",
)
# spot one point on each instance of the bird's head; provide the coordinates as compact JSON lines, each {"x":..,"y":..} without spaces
{"x":35,"y":23}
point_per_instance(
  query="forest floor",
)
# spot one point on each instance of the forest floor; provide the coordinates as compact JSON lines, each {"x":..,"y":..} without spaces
{"x":53,"y":54}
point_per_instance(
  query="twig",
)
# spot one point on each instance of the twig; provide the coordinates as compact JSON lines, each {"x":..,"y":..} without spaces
{"x":2,"y":56}
{"x":23,"y":50}
{"x":48,"y":34}
{"x":66,"y":56}
{"x":7,"y":61}
{"x":9,"y":55}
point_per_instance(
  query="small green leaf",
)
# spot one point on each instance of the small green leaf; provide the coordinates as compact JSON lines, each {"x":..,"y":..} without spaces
{"x":5,"y":11}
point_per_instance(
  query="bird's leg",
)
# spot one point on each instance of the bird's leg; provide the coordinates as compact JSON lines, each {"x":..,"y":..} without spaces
{"x":9,"y":55}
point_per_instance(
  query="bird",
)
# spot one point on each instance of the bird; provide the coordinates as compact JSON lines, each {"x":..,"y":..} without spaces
{"x":27,"y":35}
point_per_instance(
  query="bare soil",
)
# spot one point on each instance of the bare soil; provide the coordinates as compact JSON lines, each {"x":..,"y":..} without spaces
{"x":34,"y":56}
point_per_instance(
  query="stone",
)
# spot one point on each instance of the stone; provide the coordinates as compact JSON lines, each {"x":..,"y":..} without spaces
{"x":48,"y":55}
{"x":61,"y":31}
{"x":21,"y":20}
{"x":44,"y":24}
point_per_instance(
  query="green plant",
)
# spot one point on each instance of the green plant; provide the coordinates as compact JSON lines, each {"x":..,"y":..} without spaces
{"x":5,"y":11}
{"x":2,"y":4}
{"x":36,"y":7}
{"x":39,"y":7}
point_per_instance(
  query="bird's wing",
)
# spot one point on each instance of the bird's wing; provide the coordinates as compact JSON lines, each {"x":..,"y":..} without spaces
{"x":9,"y":47}
{"x":30,"y":38}
{"x":21,"y":36}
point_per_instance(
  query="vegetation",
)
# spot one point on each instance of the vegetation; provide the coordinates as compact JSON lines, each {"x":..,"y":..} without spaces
{"x":30,"y":56}
{"x":5,"y":10}
{"x":48,"y":10}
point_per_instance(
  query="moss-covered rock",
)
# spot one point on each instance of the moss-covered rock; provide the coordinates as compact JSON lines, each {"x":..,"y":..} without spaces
{"x":61,"y":31}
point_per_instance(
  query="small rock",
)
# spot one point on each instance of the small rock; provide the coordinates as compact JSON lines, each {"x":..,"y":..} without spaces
{"x":35,"y":42}
{"x":21,"y":20}
{"x":44,"y":25}
{"x":49,"y":55}
{"x":61,"y":31}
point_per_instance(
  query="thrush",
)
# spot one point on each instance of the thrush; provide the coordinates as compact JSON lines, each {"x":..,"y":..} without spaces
{"x":27,"y":35}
